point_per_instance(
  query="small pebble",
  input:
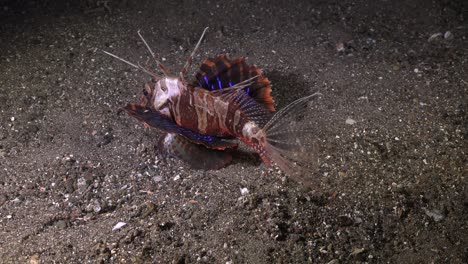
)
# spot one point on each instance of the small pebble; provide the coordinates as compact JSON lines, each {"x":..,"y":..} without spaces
{"x":119,"y":225}
{"x":340,"y":47}
{"x":244,"y":191}
{"x":448,"y":35}
{"x":157,"y":179}
{"x":350,"y":121}
{"x":435,"y":36}
{"x":357,"y":251}
{"x":97,"y":207}
{"x":435,"y":214}
{"x":34,"y":259}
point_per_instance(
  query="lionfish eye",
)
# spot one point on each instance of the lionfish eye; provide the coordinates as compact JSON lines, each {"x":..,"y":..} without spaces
{"x":164,"y":88}
{"x":145,"y":92}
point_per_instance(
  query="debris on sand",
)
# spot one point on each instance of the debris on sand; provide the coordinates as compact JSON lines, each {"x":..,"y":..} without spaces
{"x":244,"y":191}
{"x":350,"y":121}
{"x":119,"y":225}
{"x":435,"y":214}
{"x":435,"y":36}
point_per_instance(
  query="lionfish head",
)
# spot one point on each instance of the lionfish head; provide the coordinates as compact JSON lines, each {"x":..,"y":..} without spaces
{"x":159,"y":94}
{"x":146,"y":98}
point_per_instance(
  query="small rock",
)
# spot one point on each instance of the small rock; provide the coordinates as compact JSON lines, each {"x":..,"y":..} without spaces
{"x":435,"y":36}
{"x":94,"y":206}
{"x":81,"y":183}
{"x":244,"y":191}
{"x":357,"y":251}
{"x":340,"y":47}
{"x":448,"y":35}
{"x":62,"y":224}
{"x":34,"y":259}
{"x":97,"y":207}
{"x":370,"y":41}
{"x":177,"y":177}
{"x":69,"y":159}
{"x":119,"y":225}
{"x":435,"y":214}
{"x":157,"y":179}
{"x":350,"y":121}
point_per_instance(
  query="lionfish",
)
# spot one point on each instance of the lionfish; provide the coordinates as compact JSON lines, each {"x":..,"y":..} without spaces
{"x":228,"y":101}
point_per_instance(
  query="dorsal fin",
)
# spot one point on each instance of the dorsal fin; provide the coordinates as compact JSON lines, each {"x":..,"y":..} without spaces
{"x":222,"y":72}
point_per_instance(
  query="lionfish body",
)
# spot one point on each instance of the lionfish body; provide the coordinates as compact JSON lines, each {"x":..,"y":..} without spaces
{"x":204,"y":107}
{"x":228,"y":100}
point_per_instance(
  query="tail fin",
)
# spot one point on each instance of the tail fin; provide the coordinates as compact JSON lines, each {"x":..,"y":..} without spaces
{"x":290,"y":140}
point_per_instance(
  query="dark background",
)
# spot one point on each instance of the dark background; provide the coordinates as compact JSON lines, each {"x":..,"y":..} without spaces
{"x":393,"y":123}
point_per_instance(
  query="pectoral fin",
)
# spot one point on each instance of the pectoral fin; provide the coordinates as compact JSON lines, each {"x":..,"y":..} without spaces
{"x":155,"y":119}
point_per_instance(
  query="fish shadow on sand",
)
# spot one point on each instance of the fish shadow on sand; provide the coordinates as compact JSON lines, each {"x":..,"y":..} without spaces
{"x":288,"y":87}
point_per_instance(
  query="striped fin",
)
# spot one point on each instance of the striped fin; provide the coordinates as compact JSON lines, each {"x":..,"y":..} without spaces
{"x":198,"y":156}
{"x":154,"y":119}
{"x":221,"y":72}
{"x":251,"y":109}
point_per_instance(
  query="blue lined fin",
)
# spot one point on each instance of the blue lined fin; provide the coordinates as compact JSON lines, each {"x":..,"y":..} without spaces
{"x":221,"y":72}
{"x":154,"y":119}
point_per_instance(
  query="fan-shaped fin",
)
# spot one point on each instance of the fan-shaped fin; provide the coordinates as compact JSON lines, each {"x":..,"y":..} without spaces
{"x":222,"y":72}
